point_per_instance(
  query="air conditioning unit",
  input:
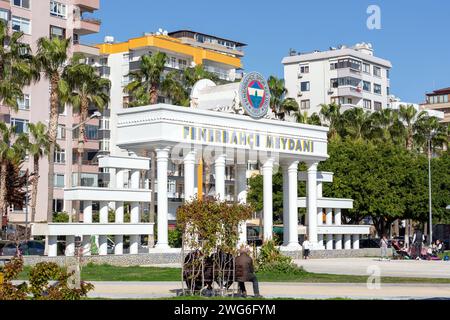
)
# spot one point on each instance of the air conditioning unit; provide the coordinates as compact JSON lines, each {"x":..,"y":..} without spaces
{"x":330,"y":91}
{"x":299,"y":94}
{"x":300,"y":75}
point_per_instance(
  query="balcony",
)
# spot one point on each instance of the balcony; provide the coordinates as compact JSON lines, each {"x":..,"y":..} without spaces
{"x":104,"y":71}
{"x":84,"y":26}
{"x":86,"y":50}
{"x":87,"y":5}
{"x":349,"y":91}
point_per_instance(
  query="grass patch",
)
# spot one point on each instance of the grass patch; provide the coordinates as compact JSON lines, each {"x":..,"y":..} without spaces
{"x":93,"y":272}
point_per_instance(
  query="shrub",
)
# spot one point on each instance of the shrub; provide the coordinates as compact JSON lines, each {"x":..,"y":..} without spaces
{"x":175,"y":238}
{"x":61,"y":217}
{"x":270,"y":259}
{"x":8,"y":291}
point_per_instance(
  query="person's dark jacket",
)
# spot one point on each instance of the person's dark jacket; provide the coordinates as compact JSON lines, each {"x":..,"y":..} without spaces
{"x":244,"y":268}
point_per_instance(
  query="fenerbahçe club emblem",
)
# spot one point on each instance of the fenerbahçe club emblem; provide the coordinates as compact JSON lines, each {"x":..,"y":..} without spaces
{"x":255,"y":95}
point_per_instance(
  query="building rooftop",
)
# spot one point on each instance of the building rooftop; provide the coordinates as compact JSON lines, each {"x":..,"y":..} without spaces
{"x":439,"y":91}
{"x":192,"y":34}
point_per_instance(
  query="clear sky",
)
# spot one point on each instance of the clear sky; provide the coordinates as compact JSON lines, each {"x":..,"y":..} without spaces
{"x":414,"y":34}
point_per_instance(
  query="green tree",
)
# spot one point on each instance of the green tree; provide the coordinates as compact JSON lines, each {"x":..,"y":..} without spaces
{"x":356,"y":123}
{"x":12,"y":150}
{"x":83,"y":88}
{"x":38,"y":147}
{"x":331,"y":117}
{"x":193,"y":74}
{"x":50,"y":59}
{"x":279,"y":104}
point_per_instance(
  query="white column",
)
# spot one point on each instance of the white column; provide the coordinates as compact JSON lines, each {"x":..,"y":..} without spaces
{"x":219,"y":167}
{"x":293,"y":206}
{"x":241,"y":192}
{"x":356,"y":241}
{"x":347,"y":242}
{"x":70,"y":246}
{"x":86,"y":245}
{"x":119,"y":212}
{"x":267,"y":170}
{"x":134,"y":244}
{"x":320,"y":245}
{"x":162,"y":159}
{"x":102,"y":245}
{"x":285,"y":205}
{"x":329,"y":217}
{"x":329,"y":242}
{"x":135,"y":178}
{"x":337,"y":217}
{"x":338,"y":241}
{"x":120,"y":178}
{"x":312,"y":204}
{"x":112,"y":177}
{"x":189,"y":176}
{"x":52,"y":246}
{"x":104,"y":212}
{"x":87,"y":212}
{"x":135,"y":216}
{"x":319,"y":216}
{"x":118,"y":248}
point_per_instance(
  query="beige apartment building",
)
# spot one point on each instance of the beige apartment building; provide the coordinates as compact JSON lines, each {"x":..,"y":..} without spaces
{"x":48,"y":18}
{"x":438,"y":100}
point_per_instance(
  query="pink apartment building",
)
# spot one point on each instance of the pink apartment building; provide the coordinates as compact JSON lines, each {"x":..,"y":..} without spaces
{"x":48,"y":18}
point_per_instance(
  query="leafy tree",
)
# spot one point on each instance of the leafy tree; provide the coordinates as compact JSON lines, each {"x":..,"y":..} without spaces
{"x":331,"y":117}
{"x":38,"y":147}
{"x":279,"y":104}
{"x":51,"y":58}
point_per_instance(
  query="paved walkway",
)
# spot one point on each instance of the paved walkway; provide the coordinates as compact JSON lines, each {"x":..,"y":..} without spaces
{"x":143,"y":290}
{"x":392,"y":268}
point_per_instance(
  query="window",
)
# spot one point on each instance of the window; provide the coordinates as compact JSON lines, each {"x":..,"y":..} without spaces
{"x":58,"y":180}
{"x":126,"y":57}
{"x":60,"y":156}
{"x":87,"y":179}
{"x":304,"y":69}
{"x":338,"y":100}
{"x":104,"y":145}
{"x":377,"y":71}
{"x":346,"y":81}
{"x":125,"y":80}
{"x":366,"y":68}
{"x":388,"y":73}
{"x":104,"y":124}
{"x":58,"y":205}
{"x":349,"y":100}
{"x":304,"y":86}
{"x":367,"y":104}
{"x":21,"y":24}
{"x":4,"y":15}
{"x":182,"y":64}
{"x":377,"y":106}
{"x":377,"y":88}
{"x":24,"y":103}
{"x":304,"y":104}
{"x":22,"y":3}
{"x":58,"y":9}
{"x":20,"y":124}
{"x":346,"y":63}
{"x":388,"y":90}
{"x":61,"y":133}
{"x":57,"y":32}
{"x":367,"y":86}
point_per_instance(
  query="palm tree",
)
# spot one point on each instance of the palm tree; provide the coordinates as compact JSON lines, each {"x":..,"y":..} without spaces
{"x":50,"y":59}
{"x":83,"y":87}
{"x":9,"y":152}
{"x":356,"y":123}
{"x":331,"y":116}
{"x":193,"y":74}
{"x":279,"y":104}
{"x":302,"y":117}
{"x":409,"y":115}
{"x":38,"y":147}
{"x":16,"y":68}
{"x":146,"y":83}
{"x":173,"y":88}
{"x":426,"y":125}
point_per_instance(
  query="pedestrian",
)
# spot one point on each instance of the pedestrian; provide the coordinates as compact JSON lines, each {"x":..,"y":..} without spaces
{"x":306,"y":248}
{"x":418,"y":239}
{"x":245,"y":272}
{"x":384,"y":247}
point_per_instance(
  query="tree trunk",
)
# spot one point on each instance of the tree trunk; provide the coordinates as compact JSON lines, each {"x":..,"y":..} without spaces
{"x":34,"y":186}
{"x":52,"y":133}
{"x":82,"y":131}
{"x":3,"y":201}
{"x":153,"y":94}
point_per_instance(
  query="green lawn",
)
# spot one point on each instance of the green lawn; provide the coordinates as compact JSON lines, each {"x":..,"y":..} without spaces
{"x":113,"y":273}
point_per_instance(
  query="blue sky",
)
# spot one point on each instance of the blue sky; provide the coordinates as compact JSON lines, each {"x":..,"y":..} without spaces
{"x":413,"y":36}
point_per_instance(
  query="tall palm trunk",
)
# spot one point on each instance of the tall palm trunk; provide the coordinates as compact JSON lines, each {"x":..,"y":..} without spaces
{"x":3,"y":202}
{"x":34,"y":186}
{"x":83,"y":116}
{"x":154,"y":94}
{"x":52,"y":133}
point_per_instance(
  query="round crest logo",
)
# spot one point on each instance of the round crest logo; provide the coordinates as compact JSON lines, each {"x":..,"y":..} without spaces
{"x":255,"y":95}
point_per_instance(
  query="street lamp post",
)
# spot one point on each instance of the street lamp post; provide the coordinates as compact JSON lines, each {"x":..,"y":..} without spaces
{"x":96,"y":114}
{"x":430,"y":137}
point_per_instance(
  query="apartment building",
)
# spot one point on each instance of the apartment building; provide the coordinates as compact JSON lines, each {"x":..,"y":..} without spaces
{"x":438,"y":100}
{"x":48,"y":18}
{"x":349,"y":76}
